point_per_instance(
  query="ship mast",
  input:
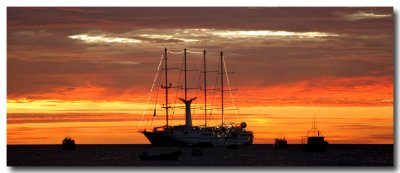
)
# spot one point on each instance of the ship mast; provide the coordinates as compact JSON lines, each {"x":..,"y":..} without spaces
{"x":185,"y":75}
{"x":166,"y":86}
{"x":222,"y":90}
{"x":187,"y":102}
{"x":205,"y":89}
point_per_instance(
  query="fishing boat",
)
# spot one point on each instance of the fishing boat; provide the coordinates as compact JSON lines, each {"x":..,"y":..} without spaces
{"x":68,"y":143}
{"x":197,"y":152}
{"x":167,"y":156}
{"x":280,"y":143}
{"x":224,"y":134}
{"x":315,"y":141}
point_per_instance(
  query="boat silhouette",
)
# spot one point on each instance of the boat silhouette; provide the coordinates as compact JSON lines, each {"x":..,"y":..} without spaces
{"x":167,"y":156}
{"x":197,"y":152}
{"x":68,"y":143}
{"x":223,"y":134}
{"x":315,"y":142}
{"x":280,"y":143}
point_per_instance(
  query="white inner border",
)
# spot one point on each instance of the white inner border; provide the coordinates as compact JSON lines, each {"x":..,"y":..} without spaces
{"x":183,"y":3}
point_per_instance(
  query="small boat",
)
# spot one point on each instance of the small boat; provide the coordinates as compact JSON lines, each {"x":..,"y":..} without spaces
{"x":167,"y":156}
{"x":315,"y":142}
{"x":197,"y":152}
{"x":280,"y":143}
{"x":203,"y":145}
{"x":232,"y":146}
{"x":68,"y":143}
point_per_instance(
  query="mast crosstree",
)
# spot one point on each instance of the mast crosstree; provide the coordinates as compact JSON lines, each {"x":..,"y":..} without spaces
{"x":166,"y":86}
{"x":166,"y":106}
{"x":186,"y":101}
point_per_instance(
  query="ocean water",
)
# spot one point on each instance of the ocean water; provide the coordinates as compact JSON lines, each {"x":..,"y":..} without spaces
{"x":253,"y":155}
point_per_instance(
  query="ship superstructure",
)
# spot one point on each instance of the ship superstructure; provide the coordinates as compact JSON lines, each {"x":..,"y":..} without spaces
{"x":315,"y":140}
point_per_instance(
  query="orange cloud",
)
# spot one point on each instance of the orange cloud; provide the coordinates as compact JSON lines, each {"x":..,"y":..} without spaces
{"x":326,"y":91}
{"x":339,"y":124}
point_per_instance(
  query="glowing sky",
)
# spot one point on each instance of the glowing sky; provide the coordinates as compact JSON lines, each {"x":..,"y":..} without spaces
{"x":88,"y":71}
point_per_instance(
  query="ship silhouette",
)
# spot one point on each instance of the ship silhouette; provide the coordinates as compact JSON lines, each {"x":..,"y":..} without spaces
{"x":224,"y":134}
{"x":167,"y":156}
{"x":68,"y":143}
{"x":280,"y":143}
{"x":315,"y":142}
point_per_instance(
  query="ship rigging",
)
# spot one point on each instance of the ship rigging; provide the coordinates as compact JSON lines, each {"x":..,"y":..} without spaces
{"x":189,"y":135}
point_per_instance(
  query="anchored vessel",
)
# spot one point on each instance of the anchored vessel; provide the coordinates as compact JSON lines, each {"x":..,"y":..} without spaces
{"x":225,"y":134}
{"x":167,"y":156}
{"x":68,"y":143}
{"x":315,"y":141}
{"x":280,"y":143}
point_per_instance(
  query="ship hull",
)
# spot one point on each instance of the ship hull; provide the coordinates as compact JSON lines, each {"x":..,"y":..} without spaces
{"x":179,"y":138}
{"x":161,"y":139}
{"x":315,"y":144}
{"x":315,"y":147}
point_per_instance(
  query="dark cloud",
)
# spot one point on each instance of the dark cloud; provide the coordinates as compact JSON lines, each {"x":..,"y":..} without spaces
{"x":293,"y":19}
{"x":42,"y":58}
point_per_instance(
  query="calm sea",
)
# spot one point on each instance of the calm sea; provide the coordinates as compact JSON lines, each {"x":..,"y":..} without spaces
{"x":253,"y":155}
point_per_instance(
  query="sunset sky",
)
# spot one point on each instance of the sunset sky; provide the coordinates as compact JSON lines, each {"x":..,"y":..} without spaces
{"x":88,"y":71}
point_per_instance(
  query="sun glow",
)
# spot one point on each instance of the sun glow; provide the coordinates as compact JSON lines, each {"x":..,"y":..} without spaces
{"x":340,"y":125}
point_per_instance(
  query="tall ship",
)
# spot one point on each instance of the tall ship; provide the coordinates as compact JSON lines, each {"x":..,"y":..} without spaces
{"x":224,"y":134}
